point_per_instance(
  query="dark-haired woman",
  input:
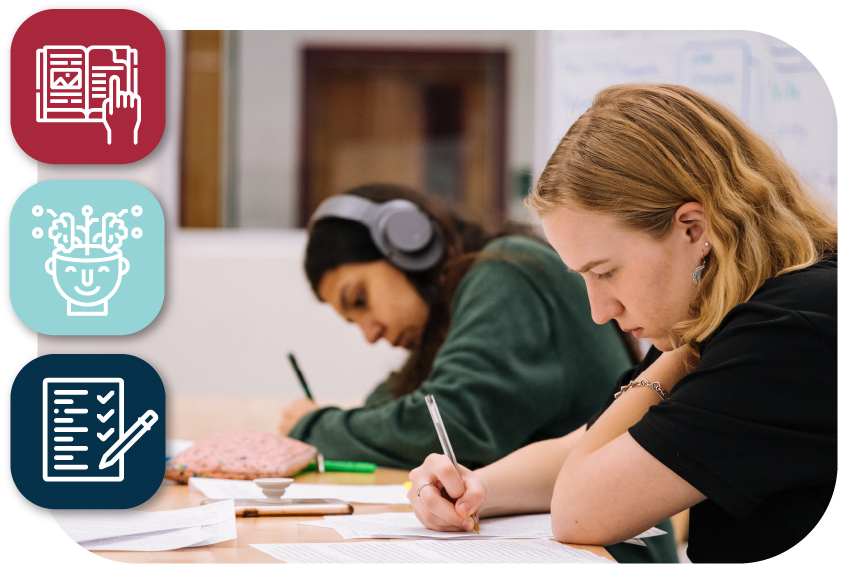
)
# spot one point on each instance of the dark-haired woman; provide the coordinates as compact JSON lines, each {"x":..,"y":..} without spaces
{"x":499,"y":331}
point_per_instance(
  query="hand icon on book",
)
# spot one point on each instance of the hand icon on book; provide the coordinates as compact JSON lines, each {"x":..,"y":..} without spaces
{"x":121,"y":110}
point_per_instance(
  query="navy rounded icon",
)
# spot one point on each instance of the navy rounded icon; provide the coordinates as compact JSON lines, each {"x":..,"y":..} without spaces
{"x":87,"y":431}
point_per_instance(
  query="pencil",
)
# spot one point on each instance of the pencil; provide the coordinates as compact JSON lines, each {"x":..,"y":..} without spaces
{"x":300,"y":377}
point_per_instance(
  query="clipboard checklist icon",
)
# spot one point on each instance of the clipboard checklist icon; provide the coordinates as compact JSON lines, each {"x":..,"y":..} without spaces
{"x":87,"y":431}
{"x":82,"y":418}
{"x":83,"y":429}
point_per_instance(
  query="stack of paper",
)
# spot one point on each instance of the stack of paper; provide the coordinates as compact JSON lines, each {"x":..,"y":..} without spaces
{"x":404,"y":525}
{"x":372,"y":494}
{"x":137,"y":530}
{"x":493,"y":551}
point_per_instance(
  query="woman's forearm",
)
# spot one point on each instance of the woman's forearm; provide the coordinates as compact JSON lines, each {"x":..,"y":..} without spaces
{"x":590,"y":487}
{"x":624,"y":413}
{"x":523,"y":481}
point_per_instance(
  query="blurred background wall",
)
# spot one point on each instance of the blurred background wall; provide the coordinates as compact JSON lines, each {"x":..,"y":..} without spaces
{"x":262,"y":125}
{"x":387,"y":109}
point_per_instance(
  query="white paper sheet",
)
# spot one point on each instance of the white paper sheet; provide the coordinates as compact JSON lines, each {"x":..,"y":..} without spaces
{"x":492,"y":551}
{"x":221,"y":531}
{"x":369,"y":494}
{"x":136,"y":530}
{"x":88,"y":525}
{"x":653,"y":532}
{"x":404,"y":525}
{"x":155,"y":541}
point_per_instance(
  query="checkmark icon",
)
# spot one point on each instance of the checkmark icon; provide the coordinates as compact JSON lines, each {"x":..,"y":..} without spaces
{"x":105,"y":398}
{"x":103,"y":437}
{"x":105,"y":416}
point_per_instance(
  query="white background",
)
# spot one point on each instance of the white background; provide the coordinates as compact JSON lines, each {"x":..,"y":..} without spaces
{"x":32,"y":545}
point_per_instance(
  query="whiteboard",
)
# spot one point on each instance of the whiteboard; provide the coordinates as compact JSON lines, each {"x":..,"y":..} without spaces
{"x":765,"y":81}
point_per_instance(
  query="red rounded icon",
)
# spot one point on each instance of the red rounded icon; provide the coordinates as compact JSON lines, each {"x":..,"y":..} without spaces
{"x":88,"y":86}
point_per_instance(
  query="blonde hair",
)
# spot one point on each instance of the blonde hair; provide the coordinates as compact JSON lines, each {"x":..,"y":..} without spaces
{"x":641,"y":151}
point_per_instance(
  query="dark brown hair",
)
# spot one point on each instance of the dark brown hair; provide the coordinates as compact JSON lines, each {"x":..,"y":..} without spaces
{"x":335,"y":241}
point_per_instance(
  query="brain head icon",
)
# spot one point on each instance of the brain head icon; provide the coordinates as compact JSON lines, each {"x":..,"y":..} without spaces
{"x":87,"y":263}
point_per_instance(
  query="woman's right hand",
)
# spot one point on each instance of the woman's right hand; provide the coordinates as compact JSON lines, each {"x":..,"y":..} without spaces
{"x":448,"y":504}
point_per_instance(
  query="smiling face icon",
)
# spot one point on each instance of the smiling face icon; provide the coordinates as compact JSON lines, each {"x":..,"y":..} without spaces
{"x":87,"y":277}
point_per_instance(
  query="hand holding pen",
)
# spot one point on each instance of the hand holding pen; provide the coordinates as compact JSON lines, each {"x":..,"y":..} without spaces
{"x":441,"y":476}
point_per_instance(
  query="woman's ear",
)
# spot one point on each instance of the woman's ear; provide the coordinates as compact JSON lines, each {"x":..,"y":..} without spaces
{"x":690,"y":221}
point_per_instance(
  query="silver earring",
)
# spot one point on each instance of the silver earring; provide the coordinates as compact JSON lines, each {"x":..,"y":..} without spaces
{"x":698,"y":272}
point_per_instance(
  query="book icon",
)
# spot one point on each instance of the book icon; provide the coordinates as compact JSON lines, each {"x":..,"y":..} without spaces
{"x":79,"y":84}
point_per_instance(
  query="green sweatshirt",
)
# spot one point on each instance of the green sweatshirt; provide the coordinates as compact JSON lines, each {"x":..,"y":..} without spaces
{"x":522,"y":362}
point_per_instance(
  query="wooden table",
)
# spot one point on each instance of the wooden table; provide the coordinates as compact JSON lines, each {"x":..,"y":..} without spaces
{"x":277,"y":529}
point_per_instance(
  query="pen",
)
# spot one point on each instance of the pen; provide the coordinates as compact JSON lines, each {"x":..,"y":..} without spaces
{"x":444,"y":442}
{"x":128,"y":438}
{"x":300,"y":377}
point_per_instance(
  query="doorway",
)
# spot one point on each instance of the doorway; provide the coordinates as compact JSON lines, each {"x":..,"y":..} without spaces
{"x":432,"y":120}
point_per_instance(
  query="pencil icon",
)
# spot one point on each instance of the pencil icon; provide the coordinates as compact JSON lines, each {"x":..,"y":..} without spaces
{"x":128,"y":438}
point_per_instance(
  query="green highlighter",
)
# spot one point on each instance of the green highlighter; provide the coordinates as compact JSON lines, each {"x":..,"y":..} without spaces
{"x":342,"y":466}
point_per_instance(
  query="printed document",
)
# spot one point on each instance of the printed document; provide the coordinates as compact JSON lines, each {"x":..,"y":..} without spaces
{"x":404,"y":525}
{"x":493,"y":551}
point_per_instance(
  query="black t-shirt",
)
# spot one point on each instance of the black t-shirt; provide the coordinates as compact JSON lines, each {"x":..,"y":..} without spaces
{"x":753,"y":427}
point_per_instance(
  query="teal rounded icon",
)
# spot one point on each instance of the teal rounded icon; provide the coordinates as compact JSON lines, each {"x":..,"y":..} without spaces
{"x":87,"y":257}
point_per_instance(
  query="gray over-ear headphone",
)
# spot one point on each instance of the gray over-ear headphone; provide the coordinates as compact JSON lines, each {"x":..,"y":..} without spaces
{"x":407,"y":237}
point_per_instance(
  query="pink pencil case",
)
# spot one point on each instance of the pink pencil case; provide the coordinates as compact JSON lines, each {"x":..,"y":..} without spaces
{"x":241,"y":455}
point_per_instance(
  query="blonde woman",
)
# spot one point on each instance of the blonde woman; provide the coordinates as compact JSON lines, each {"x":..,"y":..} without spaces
{"x":693,"y":232}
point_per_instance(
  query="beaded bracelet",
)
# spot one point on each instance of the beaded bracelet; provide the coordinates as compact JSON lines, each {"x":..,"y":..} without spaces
{"x":643,"y":382}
